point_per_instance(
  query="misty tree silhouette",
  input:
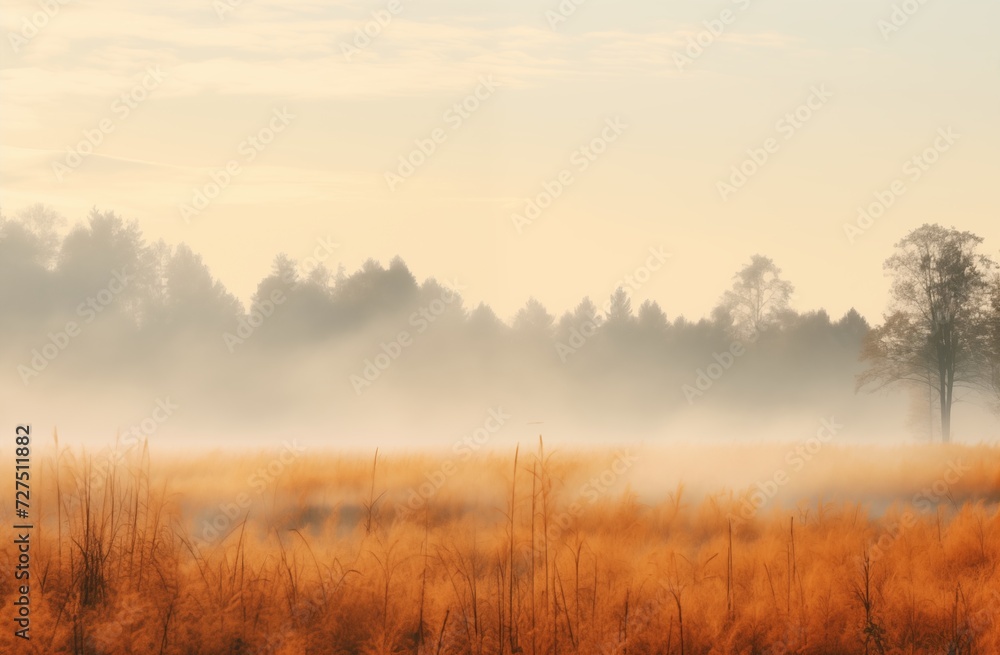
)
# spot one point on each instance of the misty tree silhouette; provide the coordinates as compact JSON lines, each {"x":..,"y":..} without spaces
{"x":168,"y":326}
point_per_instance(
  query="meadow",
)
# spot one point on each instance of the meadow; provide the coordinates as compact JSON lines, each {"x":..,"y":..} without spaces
{"x":677,"y":550}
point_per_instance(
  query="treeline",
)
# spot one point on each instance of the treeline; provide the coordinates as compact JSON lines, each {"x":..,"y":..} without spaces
{"x":101,"y":306}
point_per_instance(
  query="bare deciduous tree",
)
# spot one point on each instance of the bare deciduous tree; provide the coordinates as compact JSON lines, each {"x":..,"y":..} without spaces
{"x":934,"y":334}
{"x":758,"y":296}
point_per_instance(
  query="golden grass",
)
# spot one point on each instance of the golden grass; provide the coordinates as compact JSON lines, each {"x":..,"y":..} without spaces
{"x":329,"y":554}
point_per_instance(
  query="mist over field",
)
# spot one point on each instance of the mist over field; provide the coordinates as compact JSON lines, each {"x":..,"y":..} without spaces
{"x":107,"y":334}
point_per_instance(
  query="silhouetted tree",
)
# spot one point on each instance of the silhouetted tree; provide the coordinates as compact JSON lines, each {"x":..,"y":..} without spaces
{"x":398,"y":285}
{"x":933,"y":335}
{"x":852,"y":327}
{"x":484,"y":323}
{"x":652,"y":319}
{"x":619,"y":308}
{"x":43,"y":223}
{"x":654,"y":339}
{"x":192,"y":295}
{"x":582,"y":320}
{"x":30,"y":287}
{"x":533,"y":320}
{"x":991,"y":336}
{"x":283,"y":280}
{"x":758,"y":296}
{"x":585,"y":312}
{"x":441,"y":303}
{"x":93,"y":254}
{"x":375,"y":291}
{"x":620,"y":331}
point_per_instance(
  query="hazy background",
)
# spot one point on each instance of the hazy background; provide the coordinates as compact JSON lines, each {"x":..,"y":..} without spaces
{"x":106,"y":333}
{"x":345,"y":116}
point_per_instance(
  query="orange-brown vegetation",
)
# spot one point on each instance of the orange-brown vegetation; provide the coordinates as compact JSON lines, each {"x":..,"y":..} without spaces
{"x":533,"y":553}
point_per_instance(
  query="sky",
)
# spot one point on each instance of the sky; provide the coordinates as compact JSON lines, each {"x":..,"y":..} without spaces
{"x":427,"y":129}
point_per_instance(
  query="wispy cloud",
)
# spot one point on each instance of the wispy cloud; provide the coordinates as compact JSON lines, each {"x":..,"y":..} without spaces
{"x":267,"y":50}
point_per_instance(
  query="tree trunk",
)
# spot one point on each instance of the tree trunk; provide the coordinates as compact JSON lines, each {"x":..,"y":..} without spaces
{"x":945,"y":421}
{"x":943,"y":396}
{"x":946,"y":381}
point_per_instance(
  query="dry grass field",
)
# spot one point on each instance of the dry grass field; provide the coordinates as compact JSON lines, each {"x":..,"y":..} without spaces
{"x":533,"y":552}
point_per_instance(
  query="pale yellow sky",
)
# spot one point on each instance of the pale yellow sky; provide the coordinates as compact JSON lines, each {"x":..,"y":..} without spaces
{"x":337,"y":114}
